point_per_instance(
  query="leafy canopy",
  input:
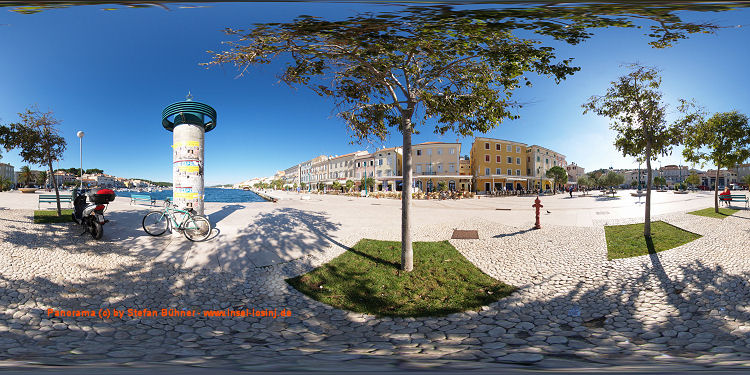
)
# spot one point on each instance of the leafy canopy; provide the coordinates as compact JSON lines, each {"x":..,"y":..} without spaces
{"x":723,"y":139}
{"x":36,"y":136}
{"x":458,"y":67}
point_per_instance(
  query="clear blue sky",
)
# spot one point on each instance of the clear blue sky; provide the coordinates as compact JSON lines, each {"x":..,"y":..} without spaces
{"x":110,"y":74}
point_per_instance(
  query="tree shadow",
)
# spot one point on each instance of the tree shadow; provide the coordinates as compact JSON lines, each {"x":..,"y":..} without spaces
{"x":226,"y":210}
{"x":521,"y":231}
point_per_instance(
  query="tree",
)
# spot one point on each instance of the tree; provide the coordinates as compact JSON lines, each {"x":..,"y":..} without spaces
{"x":93,"y":171}
{"x":26,"y":175}
{"x":633,"y":183}
{"x":303,"y":186}
{"x":368,"y":182}
{"x":611,"y":180}
{"x":585,"y":182}
{"x":349,"y":185}
{"x":458,"y":67}
{"x":442,"y":186}
{"x":723,"y":139}
{"x":746,"y":180}
{"x":660,"y":181}
{"x":5,"y":183}
{"x":558,"y":174}
{"x":634,"y":105}
{"x":693,"y":179}
{"x":39,"y":140}
{"x":336,"y":185}
{"x":321,"y":186}
{"x":41,"y":179}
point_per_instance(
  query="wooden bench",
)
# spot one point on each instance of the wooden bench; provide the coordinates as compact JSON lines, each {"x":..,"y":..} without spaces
{"x":734,"y":198}
{"x":52,"y":198}
{"x":136,"y":198}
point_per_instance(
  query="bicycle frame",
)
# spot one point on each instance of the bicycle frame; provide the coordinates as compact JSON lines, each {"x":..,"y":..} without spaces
{"x":170,"y":212}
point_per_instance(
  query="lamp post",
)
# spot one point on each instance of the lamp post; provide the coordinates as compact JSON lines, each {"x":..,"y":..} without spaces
{"x":80,"y":143}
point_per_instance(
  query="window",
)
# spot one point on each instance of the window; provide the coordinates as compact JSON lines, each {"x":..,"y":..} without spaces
{"x":419,"y":152}
{"x":508,"y":148}
{"x":537,"y":158}
{"x":440,"y":167}
{"x":429,"y":151}
{"x":486,"y":158}
{"x":486,"y":146}
{"x":518,"y":148}
{"x":497,"y":147}
{"x":452,"y":151}
{"x":440,"y":151}
{"x":528,"y":171}
{"x":486,"y":171}
{"x":419,"y":168}
{"x":451,"y":167}
{"x":518,"y":161}
{"x":546,"y":161}
{"x":388,"y":173}
{"x":518,"y":172}
{"x":498,"y":171}
{"x":510,"y":160}
{"x":497,"y":158}
{"x":357,"y":166}
{"x":372,"y":163}
{"x":380,"y":161}
{"x":510,"y":172}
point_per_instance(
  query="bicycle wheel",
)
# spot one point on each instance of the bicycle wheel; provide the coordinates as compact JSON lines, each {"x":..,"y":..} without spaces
{"x":155,"y":223}
{"x":197,"y":228}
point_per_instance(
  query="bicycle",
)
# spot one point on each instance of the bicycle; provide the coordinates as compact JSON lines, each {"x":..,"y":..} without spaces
{"x":193,"y":227}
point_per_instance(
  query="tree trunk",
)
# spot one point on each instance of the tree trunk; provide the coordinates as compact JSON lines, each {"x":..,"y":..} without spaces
{"x":647,"y":220}
{"x":716,"y":189}
{"x":407,"y":255}
{"x":54,"y":184}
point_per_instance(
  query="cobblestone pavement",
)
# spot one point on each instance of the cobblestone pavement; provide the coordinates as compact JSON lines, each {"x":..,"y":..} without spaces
{"x":687,"y":306}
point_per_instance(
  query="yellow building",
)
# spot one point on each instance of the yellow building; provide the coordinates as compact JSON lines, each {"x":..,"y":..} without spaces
{"x":499,"y":164}
{"x":436,"y":162}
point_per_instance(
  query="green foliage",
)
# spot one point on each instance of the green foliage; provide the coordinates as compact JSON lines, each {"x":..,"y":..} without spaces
{"x":746,"y":179}
{"x":321,"y":186}
{"x":349,"y":185}
{"x":92,"y":171}
{"x":633,"y":183}
{"x":367,"y":279}
{"x":26,"y":175}
{"x":41,"y":178}
{"x":723,"y":139}
{"x":367,"y":181}
{"x":5,"y":183}
{"x":442,"y":186}
{"x":612,"y":179}
{"x":558,"y":174}
{"x":336,"y":185}
{"x":36,"y":136}
{"x":660,"y":181}
{"x":693,"y":179}
{"x":303,"y":186}
{"x":585,"y":182}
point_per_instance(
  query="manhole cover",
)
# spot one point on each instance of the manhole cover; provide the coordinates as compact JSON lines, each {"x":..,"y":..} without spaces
{"x":602,"y":212}
{"x":465,"y":235}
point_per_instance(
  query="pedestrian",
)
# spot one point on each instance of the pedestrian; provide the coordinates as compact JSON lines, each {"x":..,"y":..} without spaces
{"x":571,"y":191}
{"x":726,"y":191}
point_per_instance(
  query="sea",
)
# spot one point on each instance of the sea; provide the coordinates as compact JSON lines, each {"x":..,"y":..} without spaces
{"x":211,"y":195}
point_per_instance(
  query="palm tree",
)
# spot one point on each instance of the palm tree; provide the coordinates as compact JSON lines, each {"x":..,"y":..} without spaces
{"x":5,"y":183}
{"x":26,"y":175}
{"x":41,"y":179}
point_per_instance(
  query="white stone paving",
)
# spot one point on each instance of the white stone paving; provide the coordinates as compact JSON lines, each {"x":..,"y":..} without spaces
{"x":685,"y":305}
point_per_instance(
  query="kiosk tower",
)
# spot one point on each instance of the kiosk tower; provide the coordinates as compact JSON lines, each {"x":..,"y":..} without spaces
{"x":188,"y":121}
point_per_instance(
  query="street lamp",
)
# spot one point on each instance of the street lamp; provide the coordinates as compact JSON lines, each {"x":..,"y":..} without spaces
{"x":539,"y":172}
{"x":80,"y":138}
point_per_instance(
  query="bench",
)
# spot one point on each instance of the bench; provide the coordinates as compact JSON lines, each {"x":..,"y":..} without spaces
{"x":52,"y":198}
{"x":734,"y":198}
{"x":136,"y":198}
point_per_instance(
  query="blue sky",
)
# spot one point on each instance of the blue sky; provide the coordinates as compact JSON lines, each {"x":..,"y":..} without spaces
{"x":110,"y":74}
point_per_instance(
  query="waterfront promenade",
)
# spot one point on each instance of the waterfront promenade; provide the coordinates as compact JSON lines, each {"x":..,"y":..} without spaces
{"x":685,"y":307}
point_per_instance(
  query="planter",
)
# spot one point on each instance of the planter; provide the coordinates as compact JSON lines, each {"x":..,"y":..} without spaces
{"x":28,"y":190}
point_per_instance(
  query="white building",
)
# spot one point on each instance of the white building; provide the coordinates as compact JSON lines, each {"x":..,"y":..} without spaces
{"x":6,"y":171}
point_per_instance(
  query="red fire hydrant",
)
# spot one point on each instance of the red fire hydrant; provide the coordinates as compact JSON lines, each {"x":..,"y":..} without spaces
{"x":537,"y":204}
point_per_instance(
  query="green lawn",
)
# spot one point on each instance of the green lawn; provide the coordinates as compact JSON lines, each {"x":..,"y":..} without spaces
{"x":625,"y":241}
{"x":710,"y":212}
{"x":50,"y":216}
{"x":367,"y":279}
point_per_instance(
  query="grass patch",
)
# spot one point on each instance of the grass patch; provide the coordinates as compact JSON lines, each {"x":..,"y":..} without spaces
{"x":625,"y":241}
{"x":367,"y":279}
{"x":709,"y":212}
{"x":50,"y":216}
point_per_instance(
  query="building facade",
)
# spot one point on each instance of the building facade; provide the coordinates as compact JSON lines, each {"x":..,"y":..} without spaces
{"x":499,"y":165}
{"x":437,"y":163}
{"x":7,"y":172}
{"x":574,"y":172}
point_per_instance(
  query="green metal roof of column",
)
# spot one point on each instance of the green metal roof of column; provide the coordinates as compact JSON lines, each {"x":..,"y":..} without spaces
{"x":192,"y":107}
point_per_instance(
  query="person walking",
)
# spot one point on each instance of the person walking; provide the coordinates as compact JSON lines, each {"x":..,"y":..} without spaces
{"x":570,"y":189}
